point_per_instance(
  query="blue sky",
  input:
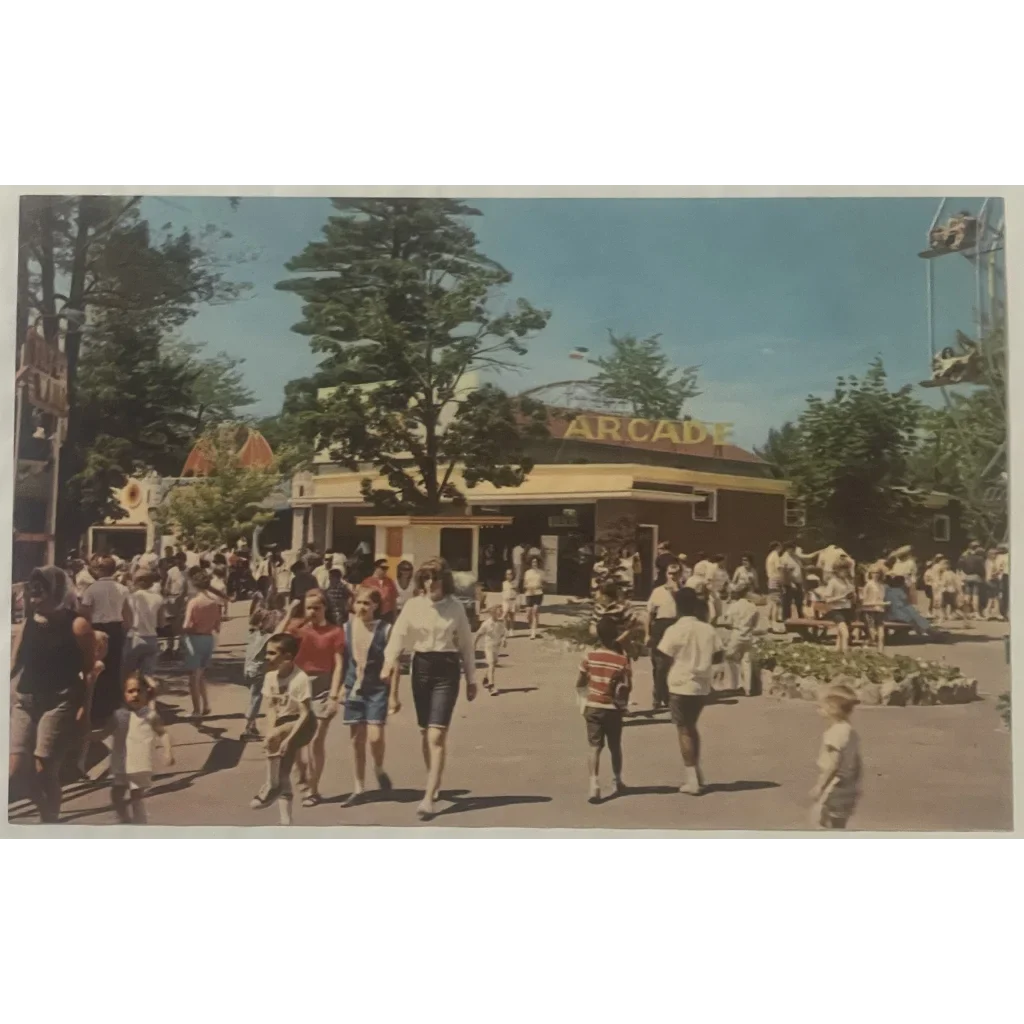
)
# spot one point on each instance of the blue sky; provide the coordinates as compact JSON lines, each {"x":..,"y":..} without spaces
{"x":772,"y":298}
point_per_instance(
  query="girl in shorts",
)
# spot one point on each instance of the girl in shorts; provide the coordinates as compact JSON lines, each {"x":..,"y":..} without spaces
{"x":509,"y":599}
{"x":368,"y":693}
{"x":533,"y":588}
{"x":321,"y":644}
{"x":873,"y":605}
{"x":203,"y":616}
{"x":837,"y":595}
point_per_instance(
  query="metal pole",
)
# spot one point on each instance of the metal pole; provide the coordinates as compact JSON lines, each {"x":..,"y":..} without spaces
{"x":931,"y":312}
{"x":51,"y":509}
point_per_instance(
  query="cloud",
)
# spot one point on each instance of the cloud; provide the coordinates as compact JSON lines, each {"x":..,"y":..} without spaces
{"x":766,"y":351}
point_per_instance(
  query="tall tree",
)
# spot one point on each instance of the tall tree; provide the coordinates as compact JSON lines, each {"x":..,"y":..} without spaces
{"x":639,"y":375}
{"x":93,"y":264}
{"x":852,"y":466}
{"x":781,"y":449}
{"x":397,"y":293}
{"x":218,"y":387}
{"x":224,"y":506}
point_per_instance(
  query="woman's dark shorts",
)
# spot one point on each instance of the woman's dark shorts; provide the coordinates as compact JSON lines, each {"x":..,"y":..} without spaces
{"x":534,"y":600}
{"x":435,"y":687}
{"x":841,"y":615}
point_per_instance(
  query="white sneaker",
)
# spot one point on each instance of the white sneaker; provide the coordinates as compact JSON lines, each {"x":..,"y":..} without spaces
{"x":691,"y":784}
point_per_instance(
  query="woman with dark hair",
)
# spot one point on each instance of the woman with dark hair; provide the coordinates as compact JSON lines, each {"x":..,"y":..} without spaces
{"x":405,"y":583}
{"x":55,"y":657}
{"x":433,"y":625}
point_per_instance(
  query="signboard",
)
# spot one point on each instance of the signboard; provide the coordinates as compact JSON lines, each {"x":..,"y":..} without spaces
{"x":640,"y":432}
{"x":44,"y":372}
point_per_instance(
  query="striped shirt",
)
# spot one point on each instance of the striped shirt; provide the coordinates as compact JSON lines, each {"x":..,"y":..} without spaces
{"x":608,"y":678}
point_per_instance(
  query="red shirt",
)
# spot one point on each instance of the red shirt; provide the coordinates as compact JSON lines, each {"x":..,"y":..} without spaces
{"x":609,"y":678}
{"x":387,"y":589}
{"x":317,"y":646}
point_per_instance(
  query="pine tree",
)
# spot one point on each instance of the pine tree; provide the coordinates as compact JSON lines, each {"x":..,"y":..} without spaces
{"x":397,"y":293}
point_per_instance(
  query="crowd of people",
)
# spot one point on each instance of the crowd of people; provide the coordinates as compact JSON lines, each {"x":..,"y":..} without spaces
{"x":321,"y":642}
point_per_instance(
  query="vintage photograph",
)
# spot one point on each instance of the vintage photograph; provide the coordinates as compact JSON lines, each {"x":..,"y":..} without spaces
{"x":589,"y":513}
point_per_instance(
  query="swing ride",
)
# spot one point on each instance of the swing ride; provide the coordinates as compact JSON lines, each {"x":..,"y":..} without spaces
{"x":978,"y":361}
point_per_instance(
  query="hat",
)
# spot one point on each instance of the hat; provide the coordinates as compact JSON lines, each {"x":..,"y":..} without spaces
{"x":903,"y":551}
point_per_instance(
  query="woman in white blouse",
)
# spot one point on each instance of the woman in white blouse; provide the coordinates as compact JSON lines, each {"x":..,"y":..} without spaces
{"x":433,"y":625}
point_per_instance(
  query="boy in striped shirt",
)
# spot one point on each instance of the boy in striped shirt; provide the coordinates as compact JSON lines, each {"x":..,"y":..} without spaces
{"x":603,"y":686}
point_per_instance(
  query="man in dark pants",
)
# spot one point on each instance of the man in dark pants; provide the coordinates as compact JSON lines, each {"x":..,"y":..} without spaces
{"x":661,"y":613}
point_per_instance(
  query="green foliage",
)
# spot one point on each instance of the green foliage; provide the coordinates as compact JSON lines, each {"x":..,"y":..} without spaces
{"x":136,"y":415}
{"x":574,"y":631}
{"x":849,"y":463}
{"x":97,"y":259}
{"x":781,"y":450}
{"x":825,"y":663}
{"x":224,"y":506}
{"x":400,"y":296}
{"x":639,"y":376}
{"x":217,"y":389}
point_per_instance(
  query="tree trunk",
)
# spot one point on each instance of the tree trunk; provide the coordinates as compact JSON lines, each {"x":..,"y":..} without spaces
{"x":69,"y":529}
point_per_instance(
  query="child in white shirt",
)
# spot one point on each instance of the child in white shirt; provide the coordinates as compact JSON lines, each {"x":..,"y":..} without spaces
{"x":493,"y":633}
{"x":509,"y":599}
{"x":838,"y":787}
{"x":137,"y":727}
{"x":288,"y":696}
{"x":950,"y":589}
{"x":873,"y":605}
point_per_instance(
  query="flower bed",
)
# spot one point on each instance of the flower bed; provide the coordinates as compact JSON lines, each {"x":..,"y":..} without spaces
{"x":800,"y":671}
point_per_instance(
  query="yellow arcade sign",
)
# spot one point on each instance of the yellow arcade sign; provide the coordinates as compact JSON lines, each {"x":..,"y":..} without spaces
{"x":625,"y":430}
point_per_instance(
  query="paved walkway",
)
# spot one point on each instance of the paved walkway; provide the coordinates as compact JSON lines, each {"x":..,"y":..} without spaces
{"x":518,"y":759}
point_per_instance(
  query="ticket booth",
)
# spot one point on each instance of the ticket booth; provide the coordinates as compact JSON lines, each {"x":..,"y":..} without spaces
{"x":414,"y":539}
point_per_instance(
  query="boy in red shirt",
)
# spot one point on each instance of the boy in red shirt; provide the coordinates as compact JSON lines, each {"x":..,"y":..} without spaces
{"x":603,"y":686}
{"x":386,"y":587}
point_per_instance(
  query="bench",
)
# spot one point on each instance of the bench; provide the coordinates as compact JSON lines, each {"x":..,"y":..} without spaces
{"x":821,"y":629}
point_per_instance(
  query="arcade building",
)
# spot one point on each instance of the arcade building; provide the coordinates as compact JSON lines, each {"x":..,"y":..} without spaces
{"x":598,"y":479}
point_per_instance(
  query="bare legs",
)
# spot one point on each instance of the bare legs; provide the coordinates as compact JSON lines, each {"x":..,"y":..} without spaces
{"x":434,"y":750}
{"x":842,"y":636}
{"x":314,"y":757}
{"x":361,"y":733}
{"x":689,"y":744}
{"x":197,"y":691}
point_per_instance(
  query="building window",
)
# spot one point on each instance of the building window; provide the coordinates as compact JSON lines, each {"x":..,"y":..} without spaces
{"x":940,"y":527}
{"x":793,"y":513}
{"x":706,"y":510}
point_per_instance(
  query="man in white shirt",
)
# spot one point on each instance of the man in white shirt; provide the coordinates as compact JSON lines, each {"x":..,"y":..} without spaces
{"x":517,"y":562}
{"x":175,"y":590}
{"x":661,"y":613}
{"x":791,"y":574}
{"x":694,"y":648}
{"x":148,"y":615}
{"x":322,"y":573}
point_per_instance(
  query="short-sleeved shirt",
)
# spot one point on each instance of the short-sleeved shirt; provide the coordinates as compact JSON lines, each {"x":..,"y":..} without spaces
{"x":662,"y":604}
{"x":105,"y":600}
{"x":387,"y":589}
{"x":608,"y":678}
{"x":840,"y":749}
{"x":317,"y":646}
{"x":146,"y":606}
{"x":533,"y":581}
{"x":692,"y":645}
{"x":289,"y":701}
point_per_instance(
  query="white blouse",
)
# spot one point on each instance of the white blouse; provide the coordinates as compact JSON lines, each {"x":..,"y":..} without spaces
{"x":424,"y":626}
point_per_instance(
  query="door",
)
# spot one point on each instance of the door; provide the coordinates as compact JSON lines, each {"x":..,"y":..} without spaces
{"x":647,"y":546}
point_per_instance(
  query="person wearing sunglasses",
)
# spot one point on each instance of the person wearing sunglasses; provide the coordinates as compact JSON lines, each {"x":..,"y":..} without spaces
{"x":434,"y":627}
